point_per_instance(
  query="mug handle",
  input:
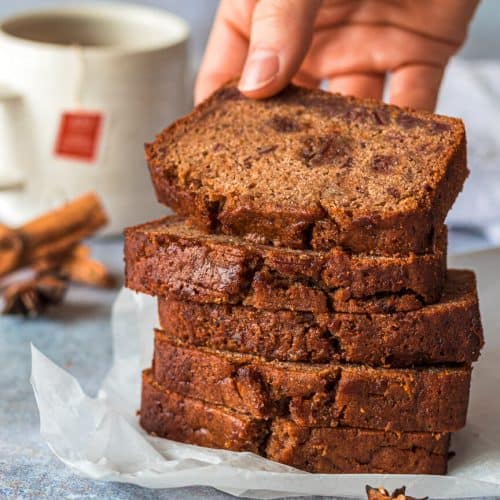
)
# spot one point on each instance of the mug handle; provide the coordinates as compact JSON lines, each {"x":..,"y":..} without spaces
{"x":9,"y":96}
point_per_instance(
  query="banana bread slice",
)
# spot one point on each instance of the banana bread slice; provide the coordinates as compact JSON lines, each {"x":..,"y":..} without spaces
{"x":169,"y":257}
{"x":337,"y":450}
{"x":417,"y":399}
{"x":309,"y":169}
{"x":168,"y":414}
{"x":329,"y":450}
{"x":447,"y":332}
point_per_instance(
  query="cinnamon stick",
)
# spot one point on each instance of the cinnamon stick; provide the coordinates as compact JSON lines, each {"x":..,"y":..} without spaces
{"x":52,"y":234}
{"x":10,"y":249}
{"x":78,"y":267}
{"x":80,"y":251}
{"x":86,"y":271}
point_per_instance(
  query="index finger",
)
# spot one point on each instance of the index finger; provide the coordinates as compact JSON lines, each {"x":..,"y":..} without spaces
{"x":226,"y":50}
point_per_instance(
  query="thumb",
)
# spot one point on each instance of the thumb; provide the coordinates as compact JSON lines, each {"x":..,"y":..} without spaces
{"x":280,"y":37}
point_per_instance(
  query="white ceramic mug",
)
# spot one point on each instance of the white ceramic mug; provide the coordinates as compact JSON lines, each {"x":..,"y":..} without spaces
{"x":125,"y":64}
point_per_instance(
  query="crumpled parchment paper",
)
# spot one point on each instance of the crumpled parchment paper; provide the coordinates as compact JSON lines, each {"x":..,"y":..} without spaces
{"x":100,"y":438}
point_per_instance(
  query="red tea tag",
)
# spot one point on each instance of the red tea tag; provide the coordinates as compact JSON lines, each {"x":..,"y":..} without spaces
{"x":79,"y":135}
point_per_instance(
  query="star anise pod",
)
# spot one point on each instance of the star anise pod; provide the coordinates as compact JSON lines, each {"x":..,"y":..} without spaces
{"x":383,"y":494}
{"x":32,"y":297}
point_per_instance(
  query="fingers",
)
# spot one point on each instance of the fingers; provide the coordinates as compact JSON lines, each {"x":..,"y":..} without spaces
{"x":306,"y":80}
{"x":226,"y":50}
{"x":372,"y":49}
{"x":445,"y":20}
{"x":416,"y":86}
{"x":280,"y":37}
{"x":360,"y":85}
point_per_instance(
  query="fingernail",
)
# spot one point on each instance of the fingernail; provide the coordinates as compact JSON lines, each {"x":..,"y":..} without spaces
{"x":260,"y":69}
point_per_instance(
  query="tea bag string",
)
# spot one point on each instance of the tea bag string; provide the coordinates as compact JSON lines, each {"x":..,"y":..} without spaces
{"x":79,"y":71}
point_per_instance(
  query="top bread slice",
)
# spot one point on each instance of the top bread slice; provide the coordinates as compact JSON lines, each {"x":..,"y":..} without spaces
{"x":310,"y":169}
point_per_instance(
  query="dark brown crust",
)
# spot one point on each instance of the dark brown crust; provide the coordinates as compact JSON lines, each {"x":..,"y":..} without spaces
{"x":425,"y":399}
{"x":448,"y":332}
{"x":328,"y":450}
{"x":382,"y":232}
{"x":167,"y":257}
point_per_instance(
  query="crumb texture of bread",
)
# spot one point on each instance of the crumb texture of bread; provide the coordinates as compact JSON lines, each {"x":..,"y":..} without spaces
{"x":167,"y":414}
{"x":447,"y":332}
{"x":309,"y":169}
{"x":170,"y":257}
{"x":326,"y":450}
{"x":412,"y":399}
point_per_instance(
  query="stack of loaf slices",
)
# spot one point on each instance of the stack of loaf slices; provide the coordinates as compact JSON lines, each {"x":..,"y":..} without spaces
{"x":305,"y":310}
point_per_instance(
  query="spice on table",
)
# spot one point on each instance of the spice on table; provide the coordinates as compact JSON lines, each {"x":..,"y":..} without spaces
{"x":79,"y":267}
{"x":52,"y":234}
{"x":383,"y":494}
{"x":50,"y":248}
{"x":32,"y":297}
{"x":10,"y":249}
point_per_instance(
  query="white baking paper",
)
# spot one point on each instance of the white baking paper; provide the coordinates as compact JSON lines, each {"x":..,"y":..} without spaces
{"x":100,"y":438}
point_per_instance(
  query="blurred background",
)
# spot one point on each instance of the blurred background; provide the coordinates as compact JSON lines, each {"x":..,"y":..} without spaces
{"x":484,"y":38}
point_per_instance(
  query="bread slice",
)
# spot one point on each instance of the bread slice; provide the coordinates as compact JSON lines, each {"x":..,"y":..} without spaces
{"x":169,"y":257}
{"x":417,"y":399}
{"x":174,"y":416}
{"x":308,"y":169}
{"x":171,"y":415}
{"x":340,"y":449}
{"x":447,"y":332}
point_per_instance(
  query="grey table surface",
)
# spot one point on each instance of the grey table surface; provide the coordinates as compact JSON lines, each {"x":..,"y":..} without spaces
{"x":77,"y":337}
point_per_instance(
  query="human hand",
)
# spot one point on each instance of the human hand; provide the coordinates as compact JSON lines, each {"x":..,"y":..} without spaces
{"x":353,"y":44}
